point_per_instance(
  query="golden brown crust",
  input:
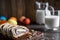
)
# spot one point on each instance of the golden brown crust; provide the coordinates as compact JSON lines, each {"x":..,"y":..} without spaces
{"x":25,"y":36}
{"x":30,"y":34}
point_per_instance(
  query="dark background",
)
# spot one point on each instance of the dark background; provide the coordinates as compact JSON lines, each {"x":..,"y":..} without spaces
{"x":17,"y":8}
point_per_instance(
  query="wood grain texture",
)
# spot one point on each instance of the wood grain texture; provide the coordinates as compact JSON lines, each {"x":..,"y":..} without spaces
{"x":30,"y":9}
{"x":11,"y":8}
{"x":18,"y":8}
{"x":5,"y":8}
{"x":57,"y":4}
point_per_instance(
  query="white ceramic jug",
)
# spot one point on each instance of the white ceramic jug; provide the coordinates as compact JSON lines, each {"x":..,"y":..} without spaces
{"x":42,"y":10}
{"x":40,"y":16}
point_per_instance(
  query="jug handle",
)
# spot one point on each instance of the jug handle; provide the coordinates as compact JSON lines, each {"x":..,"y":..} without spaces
{"x":52,"y":9}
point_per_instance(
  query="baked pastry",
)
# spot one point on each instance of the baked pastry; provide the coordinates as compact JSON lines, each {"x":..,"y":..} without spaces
{"x":13,"y":31}
{"x":19,"y":31}
{"x":3,"y":28}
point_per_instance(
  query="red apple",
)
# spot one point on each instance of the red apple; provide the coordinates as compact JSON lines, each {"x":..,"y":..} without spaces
{"x":22,"y":18}
{"x":26,"y":21}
